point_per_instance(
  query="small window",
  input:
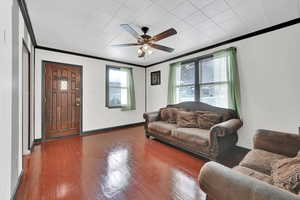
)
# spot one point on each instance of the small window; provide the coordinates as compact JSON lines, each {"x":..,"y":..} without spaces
{"x":116,"y":87}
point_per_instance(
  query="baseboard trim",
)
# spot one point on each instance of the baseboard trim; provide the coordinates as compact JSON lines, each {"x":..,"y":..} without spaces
{"x":95,"y":131}
{"x":17,"y":186}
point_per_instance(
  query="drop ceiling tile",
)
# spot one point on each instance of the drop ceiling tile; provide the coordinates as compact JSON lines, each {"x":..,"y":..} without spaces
{"x":184,"y":10}
{"x":215,"y":8}
{"x":235,"y":2}
{"x":281,"y":10}
{"x":224,"y":16}
{"x":151,"y":16}
{"x":137,"y":5}
{"x":110,"y":7}
{"x":253,"y":13}
{"x":201,"y":3}
{"x":233,"y":26}
{"x":167,"y":4}
{"x":196,"y":18}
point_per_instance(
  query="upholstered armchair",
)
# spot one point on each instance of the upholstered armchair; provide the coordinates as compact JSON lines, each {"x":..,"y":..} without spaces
{"x":252,"y":178}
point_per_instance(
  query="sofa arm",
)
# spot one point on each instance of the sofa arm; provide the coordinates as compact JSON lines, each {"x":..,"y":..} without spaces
{"x":227,"y":127}
{"x":151,"y":116}
{"x":277,"y":142}
{"x":222,"y":183}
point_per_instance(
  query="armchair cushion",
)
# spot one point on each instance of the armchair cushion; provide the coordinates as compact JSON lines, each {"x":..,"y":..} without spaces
{"x":286,"y":174}
{"x":277,"y":142}
{"x":192,"y":135}
{"x":222,"y":183}
{"x":260,"y":160}
{"x":161,"y":127}
{"x":255,"y":174}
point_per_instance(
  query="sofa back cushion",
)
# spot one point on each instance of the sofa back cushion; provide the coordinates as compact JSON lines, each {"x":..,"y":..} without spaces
{"x":207,"y":119}
{"x":187,"y":119}
{"x":169,"y":114}
{"x":286,"y":174}
{"x":199,"y":106}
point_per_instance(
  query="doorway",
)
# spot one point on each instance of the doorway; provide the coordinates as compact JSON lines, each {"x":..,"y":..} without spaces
{"x":26,"y":100}
{"x":62,"y":99}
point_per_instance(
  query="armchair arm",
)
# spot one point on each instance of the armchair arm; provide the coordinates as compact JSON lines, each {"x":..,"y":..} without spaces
{"x":227,"y":127}
{"x":277,"y":142}
{"x":222,"y":183}
{"x":151,"y":116}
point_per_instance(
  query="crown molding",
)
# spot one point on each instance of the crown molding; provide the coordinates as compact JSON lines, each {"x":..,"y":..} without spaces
{"x":24,"y":11}
{"x":87,"y":56}
{"x":242,"y":37}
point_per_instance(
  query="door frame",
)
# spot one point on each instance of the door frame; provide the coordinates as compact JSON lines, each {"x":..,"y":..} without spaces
{"x":44,"y":62}
{"x":25,"y":48}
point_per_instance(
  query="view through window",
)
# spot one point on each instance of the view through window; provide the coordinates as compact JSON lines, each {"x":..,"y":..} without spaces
{"x":117,"y":87}
{"x":204,"y":80}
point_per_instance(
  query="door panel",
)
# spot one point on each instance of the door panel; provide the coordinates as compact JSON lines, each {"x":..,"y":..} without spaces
{"x":62,"y":99}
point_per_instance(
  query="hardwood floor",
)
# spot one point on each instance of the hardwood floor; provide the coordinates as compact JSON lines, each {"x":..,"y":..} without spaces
{"x":120,"y":164}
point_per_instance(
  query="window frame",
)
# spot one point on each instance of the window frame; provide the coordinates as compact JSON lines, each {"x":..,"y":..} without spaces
{"x":198,"y":83}
{"x":107,"y":87}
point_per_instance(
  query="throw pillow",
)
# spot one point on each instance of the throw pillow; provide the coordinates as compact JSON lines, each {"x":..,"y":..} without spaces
{"x":206,"y":119}
{"x":172,"y":113}
{"x":187,"y":119}
{"x":286,"y":174}
{"x":164,"y":114}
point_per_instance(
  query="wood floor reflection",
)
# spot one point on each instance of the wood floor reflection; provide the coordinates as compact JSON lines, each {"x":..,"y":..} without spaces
{"x":120,"y":164}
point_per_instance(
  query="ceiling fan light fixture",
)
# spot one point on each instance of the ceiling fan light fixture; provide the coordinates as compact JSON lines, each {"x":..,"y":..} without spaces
{"x":141,"y":52}
{"x":149,"y":51}
{"x":145,"y":47}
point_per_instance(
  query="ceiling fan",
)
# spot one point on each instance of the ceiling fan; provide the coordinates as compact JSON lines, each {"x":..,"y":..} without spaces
{"x":146,"y":41}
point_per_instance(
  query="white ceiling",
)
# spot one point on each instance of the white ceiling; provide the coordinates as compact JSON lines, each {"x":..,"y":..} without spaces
{"x":91,"y":26}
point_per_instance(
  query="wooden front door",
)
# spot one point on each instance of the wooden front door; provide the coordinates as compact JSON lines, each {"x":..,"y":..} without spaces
{"x":62,"y":100}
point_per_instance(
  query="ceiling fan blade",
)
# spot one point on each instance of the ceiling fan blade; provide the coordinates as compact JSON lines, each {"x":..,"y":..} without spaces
{"x":125,"y":45}
{"x":161,"y":47}
{"x":164,"y":34}
{"x":130,"y":30}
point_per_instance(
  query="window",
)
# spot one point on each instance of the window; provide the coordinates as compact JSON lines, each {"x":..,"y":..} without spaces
{"x":185,"y":82}
{"x":213,"y":81}
{"x":203,"y":79}
{"x":116,"y":87}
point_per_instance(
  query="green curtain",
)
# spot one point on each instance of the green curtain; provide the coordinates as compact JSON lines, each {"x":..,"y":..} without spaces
{"x":233,"y":77}
{"x":130,"y":91}
{"x":172,"y":83}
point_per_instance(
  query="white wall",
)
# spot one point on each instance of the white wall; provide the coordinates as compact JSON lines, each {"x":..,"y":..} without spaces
{"x":95,"y":114}
{"x":269,"y":69}
{"x":5,"y":97}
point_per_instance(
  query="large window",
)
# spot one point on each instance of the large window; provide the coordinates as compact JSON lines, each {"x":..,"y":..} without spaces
{"x":203,"y":79}
{"x":116,"y":87}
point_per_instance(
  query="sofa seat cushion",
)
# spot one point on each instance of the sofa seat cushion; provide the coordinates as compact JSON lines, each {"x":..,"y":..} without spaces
{"x":161,"y":127}
{"x":192,"y":135}
{"x":260,"y":160}
{"x":254,"y":174}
